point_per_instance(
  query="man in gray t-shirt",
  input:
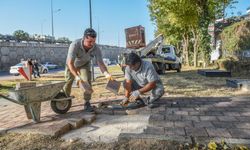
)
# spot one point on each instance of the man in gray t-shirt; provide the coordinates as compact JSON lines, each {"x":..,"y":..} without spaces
{"x":80,"y":53}
{"x":141,"y":77}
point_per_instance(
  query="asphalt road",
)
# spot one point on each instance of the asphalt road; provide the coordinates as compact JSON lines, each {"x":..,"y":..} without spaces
{"x":6,"y":76}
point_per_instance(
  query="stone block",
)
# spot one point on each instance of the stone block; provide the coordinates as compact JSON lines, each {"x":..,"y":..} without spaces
{"x":208,"y":118}
{"x":154,"y":130}
{"x":162,"y":123}
{"x":196,"y":132}
{"x":219,"y":124}
{"x":75,"y":123}
{"x":179,"y":112}
{"x":52,"y":128}
{"x":202,"y":124}
{"x":190,"y":118}
{"x":155,"y":118}
{"x":218,"y":132}
{"x":214,"y":113}
{"x":120,"y":112}
{"x":173,"y":117}
{"x":176,"y":131}
{"x":104,"y":111}
{"x":242,"y":125}
{"x":227,"y":118}
{"x":240,"y":133}
{"x":227,"y":113}
{"x":243,"y":118}
{"x":183,"y":124}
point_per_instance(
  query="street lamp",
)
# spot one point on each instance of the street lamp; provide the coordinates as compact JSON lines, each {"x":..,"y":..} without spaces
{"x":52,"y":17}
{"x":90,"y":23}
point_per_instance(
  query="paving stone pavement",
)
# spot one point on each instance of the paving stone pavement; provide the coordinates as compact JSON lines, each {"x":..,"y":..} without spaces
{"x":177,"y":118}
{"x":204,"y":118}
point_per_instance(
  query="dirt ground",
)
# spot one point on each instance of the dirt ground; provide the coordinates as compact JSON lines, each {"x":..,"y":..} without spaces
{"x":184,"y":84}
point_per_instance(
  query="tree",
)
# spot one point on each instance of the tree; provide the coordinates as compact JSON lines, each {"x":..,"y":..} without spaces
{"x":20,"y":35}
{"x":187,"y":21}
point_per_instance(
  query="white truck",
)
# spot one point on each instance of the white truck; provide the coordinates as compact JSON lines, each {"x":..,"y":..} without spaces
{"x":163,"y":57}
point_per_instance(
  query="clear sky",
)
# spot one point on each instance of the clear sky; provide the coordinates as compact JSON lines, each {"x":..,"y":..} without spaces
{"x":112,"y":17}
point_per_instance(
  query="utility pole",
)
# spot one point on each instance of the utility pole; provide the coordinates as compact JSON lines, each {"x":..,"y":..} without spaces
{"x":90,"y":23}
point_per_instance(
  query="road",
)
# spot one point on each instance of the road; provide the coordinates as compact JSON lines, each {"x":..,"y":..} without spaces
{"x":6,"y":76}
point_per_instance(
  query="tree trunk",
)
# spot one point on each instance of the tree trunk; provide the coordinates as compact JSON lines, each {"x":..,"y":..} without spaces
{"x":196,"y":40}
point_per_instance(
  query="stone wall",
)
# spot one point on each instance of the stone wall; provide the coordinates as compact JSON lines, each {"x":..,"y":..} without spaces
{"x":11,"y":53}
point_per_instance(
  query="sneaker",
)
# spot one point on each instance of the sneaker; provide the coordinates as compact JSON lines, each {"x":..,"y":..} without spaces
{"x":88,"y":107}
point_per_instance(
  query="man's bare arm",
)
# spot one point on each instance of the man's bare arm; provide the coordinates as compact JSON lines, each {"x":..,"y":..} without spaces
{"x":147,"y":87}
{"x":73,"y":70}
{"x":128,"y":88}
{"x":102,"y":66}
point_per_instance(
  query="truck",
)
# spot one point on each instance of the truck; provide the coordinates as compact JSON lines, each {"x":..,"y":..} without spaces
{"x":163,"y":57}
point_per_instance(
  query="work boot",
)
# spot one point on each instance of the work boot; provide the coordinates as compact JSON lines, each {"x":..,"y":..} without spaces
{"x":87,"y":107}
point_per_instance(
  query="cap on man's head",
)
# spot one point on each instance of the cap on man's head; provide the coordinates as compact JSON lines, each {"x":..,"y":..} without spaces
{"x":132,"y":59}
{"x":90,"y":32}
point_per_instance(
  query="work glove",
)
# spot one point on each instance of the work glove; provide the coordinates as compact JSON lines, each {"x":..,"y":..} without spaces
{"x":108,"y":75}
{"x":84,"y":85}
{"x":134,"y":95}
{"x":78,"y":79}
{"x":124,"y":102}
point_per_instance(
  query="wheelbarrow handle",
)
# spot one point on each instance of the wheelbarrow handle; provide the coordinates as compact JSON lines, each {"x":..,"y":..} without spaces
{"x":10,"y":99}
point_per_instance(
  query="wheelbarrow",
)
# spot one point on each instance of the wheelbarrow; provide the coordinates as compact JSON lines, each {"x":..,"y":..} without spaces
{"x":32,"y":97}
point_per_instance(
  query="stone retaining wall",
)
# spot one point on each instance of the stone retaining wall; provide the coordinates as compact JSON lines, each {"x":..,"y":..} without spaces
{"x":11,"y":53}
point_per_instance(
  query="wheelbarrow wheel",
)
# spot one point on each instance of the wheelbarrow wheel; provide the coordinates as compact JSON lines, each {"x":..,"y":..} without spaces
{"x":61,"y":107}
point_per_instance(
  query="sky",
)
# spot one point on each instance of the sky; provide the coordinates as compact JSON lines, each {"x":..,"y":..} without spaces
{"x":109,"y":18}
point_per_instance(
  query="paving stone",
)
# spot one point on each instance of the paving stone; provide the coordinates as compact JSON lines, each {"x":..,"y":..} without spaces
{"x":220,"y":124}
{"x":208,"y":118}
{"x":173,"y":117}
{"x":245,"y":113}
{"x":119,"y":112}
{"x":155,"y":118}
{"x":243,"y":125}
{"x":202,"y":124}
{"x":131,"y":136}
{"x":163,"y":123}
{"x":75,"y":123}
{"x":52,"y":128}
{"x":142,"y":110}
{"x":231,"y":113}
{"x":179,"y":112}
{"x":104,"y":111}
{"x":243,"y":118}
{"x":183,"y":124}
{"x":223,"y":104}
{"x":88,"y":118}
{"x":190,"y":118}
{"x":214,"y":113}
{"x":175,"y":131}
{"x":218,"y":132}
{"x":226,"y":118}
{"x":196,"y":132}
{"x":196,"y":113}
{"x":240,"y":133}
{"x":3,"y":131}
{"x":154,"y":130}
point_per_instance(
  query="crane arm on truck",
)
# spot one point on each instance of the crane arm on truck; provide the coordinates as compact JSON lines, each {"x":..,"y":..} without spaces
{"x":152,"y":46}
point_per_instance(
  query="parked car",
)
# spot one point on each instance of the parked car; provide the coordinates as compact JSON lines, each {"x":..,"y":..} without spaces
{"x":106,"y":61}
{"x":50,"y":65}
{"x":14,"y":69}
